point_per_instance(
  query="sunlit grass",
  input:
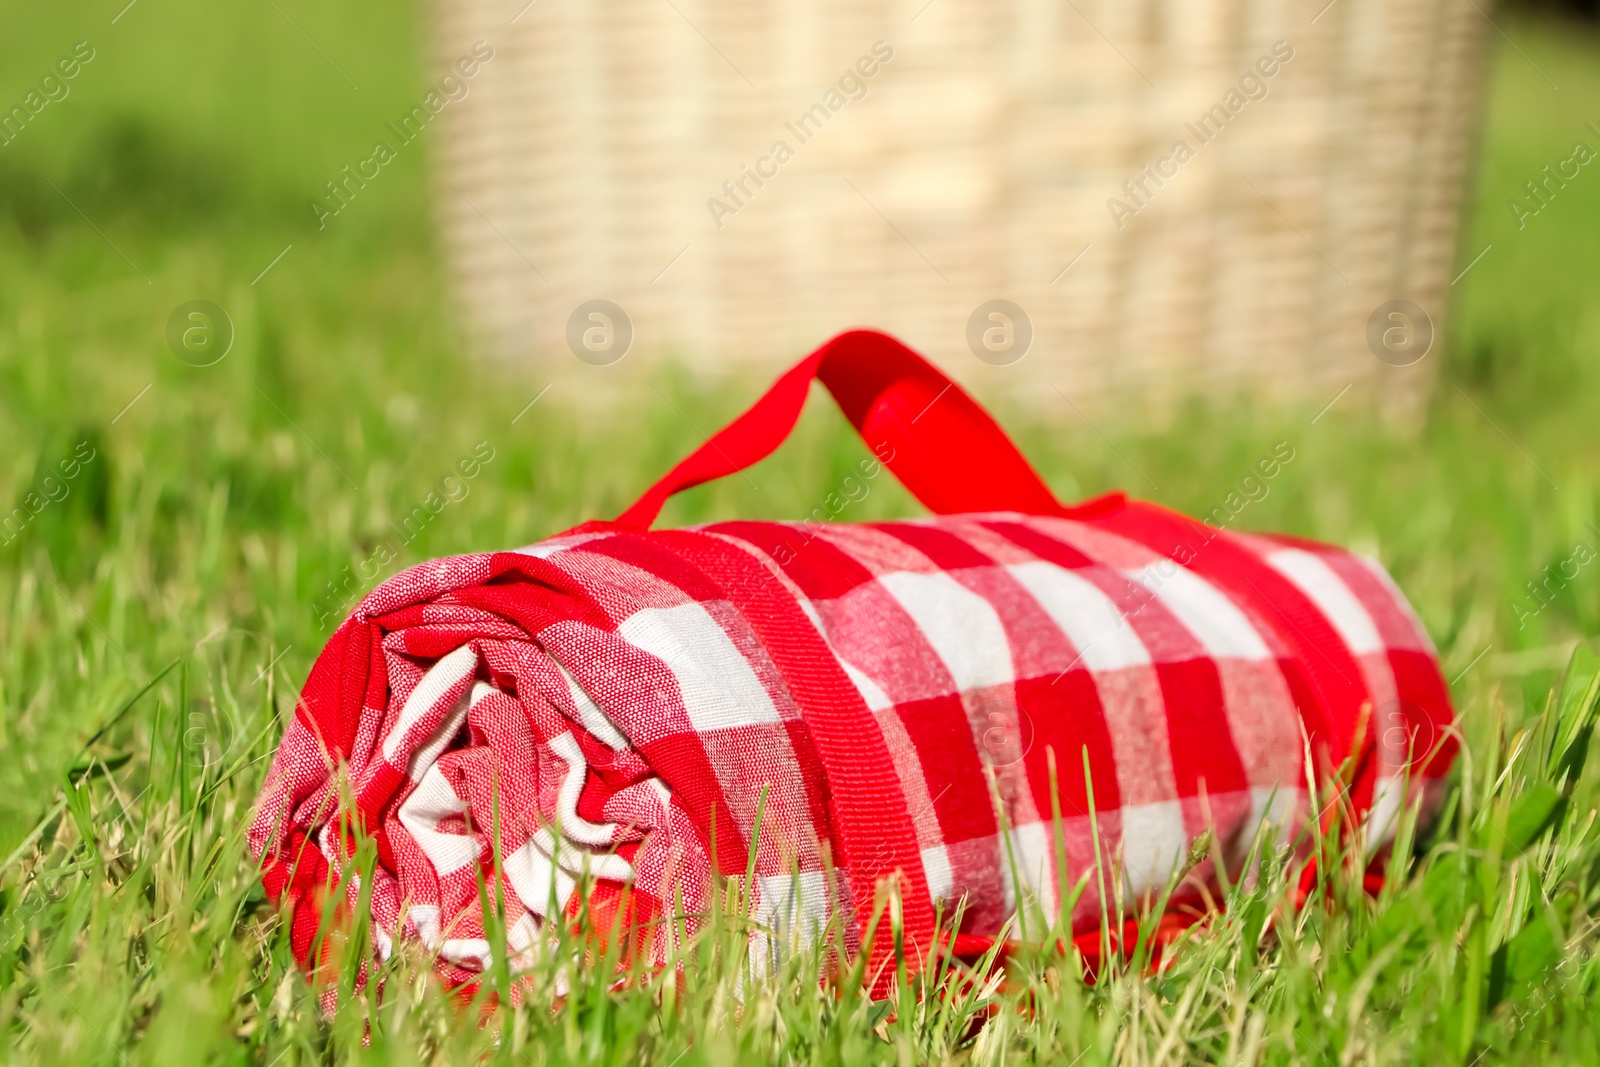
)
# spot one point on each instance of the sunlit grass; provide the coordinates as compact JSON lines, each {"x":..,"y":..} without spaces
{"x":157,"y":616}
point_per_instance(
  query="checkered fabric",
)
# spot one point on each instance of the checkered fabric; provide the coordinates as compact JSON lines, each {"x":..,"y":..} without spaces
{"x":909,"y":699}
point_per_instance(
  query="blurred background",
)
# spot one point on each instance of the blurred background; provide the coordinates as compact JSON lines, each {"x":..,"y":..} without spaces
{"x":268,"y":270}
{"x":1168,"y":198}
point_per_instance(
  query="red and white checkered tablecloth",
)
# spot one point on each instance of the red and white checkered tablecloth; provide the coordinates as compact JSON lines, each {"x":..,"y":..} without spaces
{"x":891,"y":697}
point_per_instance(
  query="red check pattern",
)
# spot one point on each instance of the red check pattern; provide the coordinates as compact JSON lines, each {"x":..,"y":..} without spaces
{"x":609,"y":695}
{"x":630,"y":710}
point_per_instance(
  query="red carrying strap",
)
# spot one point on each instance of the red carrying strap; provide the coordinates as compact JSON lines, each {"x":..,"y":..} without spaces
{"x":944,"y":448}
{"x":954,"y":458}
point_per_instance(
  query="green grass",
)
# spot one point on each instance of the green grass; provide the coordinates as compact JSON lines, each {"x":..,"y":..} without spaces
{"x":220,"y":509}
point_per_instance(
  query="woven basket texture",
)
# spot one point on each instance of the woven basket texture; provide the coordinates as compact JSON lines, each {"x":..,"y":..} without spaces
{"x":982,"y":161}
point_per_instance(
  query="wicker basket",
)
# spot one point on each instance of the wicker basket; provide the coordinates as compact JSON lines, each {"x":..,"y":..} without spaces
{"x":984,"y":158}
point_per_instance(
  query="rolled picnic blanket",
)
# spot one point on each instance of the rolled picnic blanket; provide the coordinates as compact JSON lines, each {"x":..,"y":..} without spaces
{"x":937,"y":702}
